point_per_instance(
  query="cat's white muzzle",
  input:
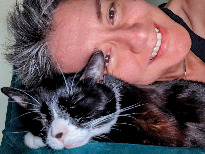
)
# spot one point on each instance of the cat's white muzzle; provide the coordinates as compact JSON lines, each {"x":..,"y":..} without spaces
{"x":62,"y":134}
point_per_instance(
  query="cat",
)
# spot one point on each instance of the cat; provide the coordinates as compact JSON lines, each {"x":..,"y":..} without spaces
{"x":70,"y":110}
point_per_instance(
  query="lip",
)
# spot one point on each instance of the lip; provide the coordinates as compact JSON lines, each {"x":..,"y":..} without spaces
{"x":164,"y":42}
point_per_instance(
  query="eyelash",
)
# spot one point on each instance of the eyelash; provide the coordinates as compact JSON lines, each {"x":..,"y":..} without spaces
{"x":111,"y":14}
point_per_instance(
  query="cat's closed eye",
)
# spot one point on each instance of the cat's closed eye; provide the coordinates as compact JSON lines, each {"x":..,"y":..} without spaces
{"x":64,"y":101}
{"x":77,"y":100}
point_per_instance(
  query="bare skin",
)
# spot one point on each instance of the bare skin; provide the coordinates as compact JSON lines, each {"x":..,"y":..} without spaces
{"x":127,"y":32}
{"x":193,"y":13}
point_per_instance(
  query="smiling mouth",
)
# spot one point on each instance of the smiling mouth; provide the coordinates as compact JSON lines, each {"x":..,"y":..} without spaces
{"x":158,"y":44}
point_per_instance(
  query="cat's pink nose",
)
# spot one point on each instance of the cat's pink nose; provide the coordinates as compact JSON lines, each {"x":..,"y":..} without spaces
{"x":59,"y":135}
{"x":59,"y":129}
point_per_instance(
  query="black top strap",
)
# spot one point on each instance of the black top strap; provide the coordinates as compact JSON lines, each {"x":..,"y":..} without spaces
{"x":198,"y":43}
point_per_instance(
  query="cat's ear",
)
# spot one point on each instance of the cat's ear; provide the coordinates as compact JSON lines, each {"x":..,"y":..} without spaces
{"x":95,"y":67}
{"x":19,"y":96}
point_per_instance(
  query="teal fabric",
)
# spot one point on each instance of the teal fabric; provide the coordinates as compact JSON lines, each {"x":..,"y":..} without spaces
{"x":13,"y":141}
{"x":105,"y":148}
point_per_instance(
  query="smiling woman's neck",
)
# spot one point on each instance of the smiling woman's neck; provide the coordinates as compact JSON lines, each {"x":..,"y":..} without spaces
{"x":192,"y":12}
{"x":175,"y":72}
{"x":195,"y":70}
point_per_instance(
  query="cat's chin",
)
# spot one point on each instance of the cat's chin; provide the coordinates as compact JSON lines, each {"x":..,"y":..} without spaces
{"x":74,"y":145}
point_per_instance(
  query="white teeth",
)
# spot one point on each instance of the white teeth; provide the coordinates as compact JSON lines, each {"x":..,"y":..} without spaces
{"x":107,"y":58}
{"x":154,"y":54}
{"x":158,"y":44}
{"x":156,"y":49}
{"x":157,"y":30}
{"x":159,"y":36}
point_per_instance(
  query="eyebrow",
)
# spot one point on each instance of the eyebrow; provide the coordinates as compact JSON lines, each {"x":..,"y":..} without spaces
{"x":98,"y":9}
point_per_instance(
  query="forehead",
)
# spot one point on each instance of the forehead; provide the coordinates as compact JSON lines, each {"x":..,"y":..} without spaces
{"x":75,"y":25}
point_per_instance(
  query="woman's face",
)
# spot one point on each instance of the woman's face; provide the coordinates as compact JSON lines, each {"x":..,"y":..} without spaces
{"x":142,"y":43}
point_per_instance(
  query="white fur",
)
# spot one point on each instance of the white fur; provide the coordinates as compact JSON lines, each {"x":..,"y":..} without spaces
{"x":32,"y":141}
{"x":73,"y":136}
{"x":116,"y":89}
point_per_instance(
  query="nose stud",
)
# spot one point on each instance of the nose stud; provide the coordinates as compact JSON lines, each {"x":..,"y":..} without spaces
{"x":59,"y":135}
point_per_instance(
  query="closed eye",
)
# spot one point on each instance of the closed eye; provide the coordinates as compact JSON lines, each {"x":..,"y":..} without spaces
{"x":63,"y":100}
{"x":77,"y":100}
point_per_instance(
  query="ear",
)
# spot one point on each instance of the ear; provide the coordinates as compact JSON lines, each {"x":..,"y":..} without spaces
{"x":95,"y":67}
{"x":21,"y":97}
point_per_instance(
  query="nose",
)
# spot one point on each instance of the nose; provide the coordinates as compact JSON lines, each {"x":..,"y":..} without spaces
{"x":134,"y":36}
{"x":59,"y":129}
{"x":59,"y":135}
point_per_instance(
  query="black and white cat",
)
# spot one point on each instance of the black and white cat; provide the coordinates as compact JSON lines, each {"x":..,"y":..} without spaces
{"x":70,"y":110}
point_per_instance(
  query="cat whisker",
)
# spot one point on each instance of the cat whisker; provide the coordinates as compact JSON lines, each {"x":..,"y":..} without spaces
{"x":130,"y":114}
{"x":127,"y":124}
{"x":96,"y":137}
{"x":12,"y":101}
{"x":73,"y":81}
{"x":78,"y":80}
{"x":45,"y":127}
{"x":18,"y":132}
{"x":35,"y":111}
{"x":79,"y":120}
{"x":38,"y":118}
{"x":28,"y":95}
{"x":77,"y":84}
{"x":104,"y":137}
{"x":20,"y":116}
{"x":67,"y":87}
{"x":131,"y":117}
{"x":111,"y":99}
{"x":32,"y":104}
{"x":113,"y":128}
{"x":24,"y":102}
{"x":94,"y":123}
{"x":127,"y":116}
{"x":130,"y":107}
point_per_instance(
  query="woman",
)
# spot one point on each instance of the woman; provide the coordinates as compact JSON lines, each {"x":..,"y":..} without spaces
{"x":141,"y":43}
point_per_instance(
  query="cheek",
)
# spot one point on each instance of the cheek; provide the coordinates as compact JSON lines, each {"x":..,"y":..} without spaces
{"x":179,"y":47}
{"x":183,"y":41}
{"x":134,"y":70}
{"x":127,"y":70}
